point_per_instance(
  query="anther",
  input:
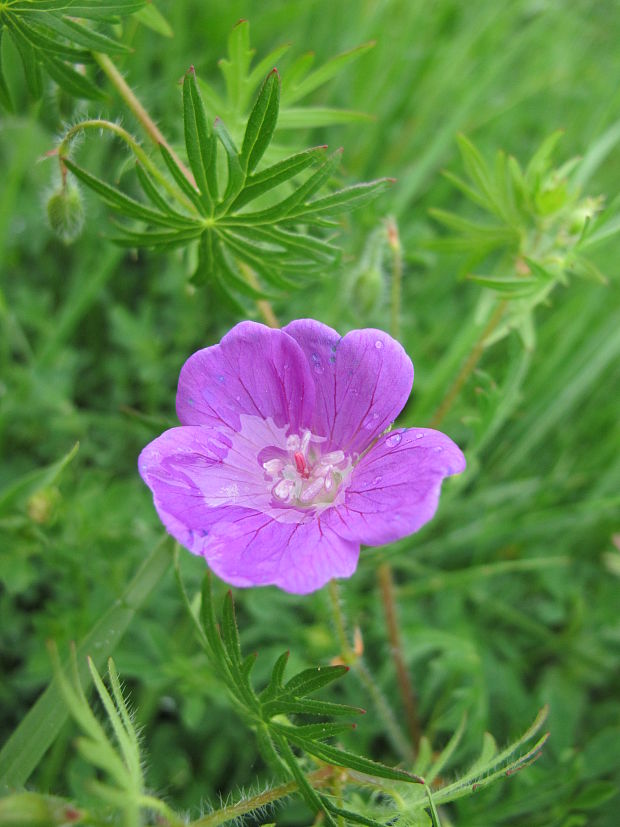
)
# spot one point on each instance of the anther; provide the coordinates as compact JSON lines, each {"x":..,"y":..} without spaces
{"x":300,"y":462}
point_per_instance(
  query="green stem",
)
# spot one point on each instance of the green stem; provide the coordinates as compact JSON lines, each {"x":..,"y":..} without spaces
{"x":350,"y":658}
{"x":397,"y":276}
{"x":143,"y":158}
{"x":132,"y":102}
{"x":468,"y":366}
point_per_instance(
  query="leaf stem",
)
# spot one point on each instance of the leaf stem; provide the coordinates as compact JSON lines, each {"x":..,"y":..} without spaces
{"x":468,"y":366}
{"x":127,"y":137}
{"x":318,"y":778}
{"x":404,"y":681}
{"x":145,"y":120}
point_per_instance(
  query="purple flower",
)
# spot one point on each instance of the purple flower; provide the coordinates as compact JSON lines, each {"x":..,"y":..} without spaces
{"x":281,"y":467}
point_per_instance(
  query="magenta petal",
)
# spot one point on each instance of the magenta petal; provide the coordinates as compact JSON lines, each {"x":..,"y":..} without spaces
{"x":256,"y":550}
{"x":183,"y":466}
{"x":362,"y":382}
{"x":394,"y":489}
{"x":255,"y":371}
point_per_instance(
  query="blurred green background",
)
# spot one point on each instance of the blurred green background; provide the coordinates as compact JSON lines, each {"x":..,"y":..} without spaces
{"x":509,"y":599}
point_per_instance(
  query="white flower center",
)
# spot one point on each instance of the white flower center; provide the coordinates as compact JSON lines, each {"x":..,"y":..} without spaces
{"x":305,"y":477}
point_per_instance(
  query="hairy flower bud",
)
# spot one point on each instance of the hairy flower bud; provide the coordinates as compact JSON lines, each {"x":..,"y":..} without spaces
{"x":65,"y":213}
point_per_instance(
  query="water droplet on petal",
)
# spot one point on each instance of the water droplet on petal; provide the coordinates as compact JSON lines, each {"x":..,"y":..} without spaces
{"x":394,"y":440}
{"x":220,"y":378}
{"x":377,"y":480}
{"x":378,"y":344}
{"x":317,"y":364}
{"x":438,"y":449}
{"x":419,"y":435}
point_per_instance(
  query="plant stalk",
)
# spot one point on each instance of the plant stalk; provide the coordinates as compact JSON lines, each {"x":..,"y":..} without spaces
{"x":404,"y":681}
{"x":145,"y":120}
{"x":350,"y":658}
{"x":468,"y":366}
{"x":397,"y":276}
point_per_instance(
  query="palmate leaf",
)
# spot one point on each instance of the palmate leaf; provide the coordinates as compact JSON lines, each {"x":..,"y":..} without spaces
{"x":283,"y":242}
{"x":48,"y":36}
{"x":265,"y":710}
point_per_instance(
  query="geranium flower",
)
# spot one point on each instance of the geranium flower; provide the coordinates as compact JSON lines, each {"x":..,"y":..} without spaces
{"x":281,"y":469}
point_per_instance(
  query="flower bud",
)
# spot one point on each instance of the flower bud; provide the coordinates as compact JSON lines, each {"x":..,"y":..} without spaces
{"x":65,"y":213}
{"x":42,"y":504}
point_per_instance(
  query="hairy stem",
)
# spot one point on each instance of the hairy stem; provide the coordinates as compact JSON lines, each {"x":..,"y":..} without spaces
{"x":355,"y":661}
{"x":154,"y":133}
{"x":145,"y":120}
{"x":319,"y":778}
{"x":141,"y":156}
{"x":468,"y":366}
{"x":404,"y":681}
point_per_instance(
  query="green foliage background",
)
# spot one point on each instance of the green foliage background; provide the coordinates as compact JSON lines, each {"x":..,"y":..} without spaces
{"x":509,"y":598}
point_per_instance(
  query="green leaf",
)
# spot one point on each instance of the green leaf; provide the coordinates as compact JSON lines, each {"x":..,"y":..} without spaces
{"x":150,"y":190}
{"x":311,"y":680}
{"x":477,"y":169}
{"x":199,"y":141}
{"x":281,"y":210}
{"x":236,"y":175}
{"x":275,"y":175}
{"x":308,"y":792}
{"x":344,"y":200}
{"x":315,"y":732}
{"x":230,"y":632}
{"x":166,"y":238}
{"x":152,"y":18}
{"x":235,"y":69}
{"x":5,"y":94}
{"x":447,"y":752}
{"x":261,"y":123}
{"x":32,"y":69}
{"x":209,"y":624}
{"x":332,"y":68}
{"x":42,"y":41}
{"x":306,"y":706}
{"x":233,"y":278}
{"x":275,"y":684}
{"x":70,"y":80}
{"x":181,"y":181}
{"x":83,"y":35}
{"x":342,"y":758}
{"x":262,"y":67}
{"x":349,"y":815}
{"x":129,"y":206}
{"x":91,"y":9}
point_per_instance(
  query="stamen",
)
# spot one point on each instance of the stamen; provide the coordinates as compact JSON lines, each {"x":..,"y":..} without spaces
{"x":273,"y":467}
{"x":283,"y":490}
{"x":312,"y":490}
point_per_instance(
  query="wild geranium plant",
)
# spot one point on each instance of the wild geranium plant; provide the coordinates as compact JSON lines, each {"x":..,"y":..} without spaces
{"x":287,"y":467}
{"x":282,"y":468}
